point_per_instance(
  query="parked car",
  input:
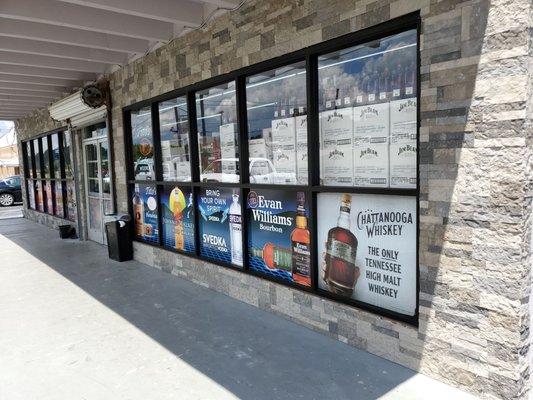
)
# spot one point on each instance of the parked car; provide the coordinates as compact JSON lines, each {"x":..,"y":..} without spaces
{"x":10,"y":191}
{"x":261,"y":171}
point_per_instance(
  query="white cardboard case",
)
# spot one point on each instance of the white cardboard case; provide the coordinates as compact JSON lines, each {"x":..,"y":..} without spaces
{"x":284,"y":145}
{"x":336,"y":136}
{"x":301,"y":149}
{"x":371,"y":165}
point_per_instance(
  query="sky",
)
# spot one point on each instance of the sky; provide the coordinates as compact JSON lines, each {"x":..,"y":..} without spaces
{"x":5,"y":126}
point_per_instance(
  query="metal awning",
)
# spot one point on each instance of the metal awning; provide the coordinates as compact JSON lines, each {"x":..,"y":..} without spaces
{"x":50,"y":47}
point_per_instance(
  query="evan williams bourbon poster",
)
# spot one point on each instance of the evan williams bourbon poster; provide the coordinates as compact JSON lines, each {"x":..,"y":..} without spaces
{"x":279,"y":240}
{"x":367,"y":249}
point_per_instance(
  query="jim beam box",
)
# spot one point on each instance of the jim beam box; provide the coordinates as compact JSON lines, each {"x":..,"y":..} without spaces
{"x":371,"y":165}
{"x":402,"y":164}
{"x":228,"y":149}
{"x":337,"y":138}
{"x":403,"y":120}
{"x":257,"y":148}
{"x":284,"y":145}
{"x":371,"y":145}
{"x":301,"y":149}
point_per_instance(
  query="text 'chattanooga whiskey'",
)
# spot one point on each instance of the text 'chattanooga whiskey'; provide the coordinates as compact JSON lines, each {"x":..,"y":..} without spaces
{"x":341,"y":248}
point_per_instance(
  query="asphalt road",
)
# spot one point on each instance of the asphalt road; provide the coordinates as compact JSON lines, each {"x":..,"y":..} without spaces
{"x":11,"y":212}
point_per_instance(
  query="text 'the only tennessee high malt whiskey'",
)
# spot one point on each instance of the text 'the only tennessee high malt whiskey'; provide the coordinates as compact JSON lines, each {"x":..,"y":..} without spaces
{"x":341,"y":248}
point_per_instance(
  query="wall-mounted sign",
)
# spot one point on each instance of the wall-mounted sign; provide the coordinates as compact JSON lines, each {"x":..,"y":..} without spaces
{"x":177,"y":212}
{"x":279,"y":241}
{"x":220,"y":225}
{"x":367,"y":249}
{"x":145,"y":213}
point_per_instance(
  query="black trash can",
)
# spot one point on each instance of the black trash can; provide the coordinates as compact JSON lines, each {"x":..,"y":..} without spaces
{"x":119,"y":241}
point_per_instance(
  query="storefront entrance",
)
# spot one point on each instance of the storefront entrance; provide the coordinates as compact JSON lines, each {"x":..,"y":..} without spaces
{"x":97,"y":180}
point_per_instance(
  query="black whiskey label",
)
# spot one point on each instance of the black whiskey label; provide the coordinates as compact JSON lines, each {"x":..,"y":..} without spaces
{"x":301,"y":258}
{"x":341,"y":250}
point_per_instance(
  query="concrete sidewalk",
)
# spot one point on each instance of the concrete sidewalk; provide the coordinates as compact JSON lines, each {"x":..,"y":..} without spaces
{"x":75,"y":325}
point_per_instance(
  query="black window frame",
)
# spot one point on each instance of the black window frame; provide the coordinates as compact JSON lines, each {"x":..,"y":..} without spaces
{"x":31,"y":178}
{"x":310,"y":55}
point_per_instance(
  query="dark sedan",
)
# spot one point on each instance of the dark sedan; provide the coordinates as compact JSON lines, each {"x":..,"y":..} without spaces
{"x":10,"y":191}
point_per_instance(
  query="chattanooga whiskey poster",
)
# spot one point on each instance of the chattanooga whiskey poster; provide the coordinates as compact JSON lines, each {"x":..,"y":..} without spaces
{"x":367,"y":249}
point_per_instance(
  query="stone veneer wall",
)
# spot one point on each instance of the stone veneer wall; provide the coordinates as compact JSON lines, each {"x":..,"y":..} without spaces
{"x":475,"y":241}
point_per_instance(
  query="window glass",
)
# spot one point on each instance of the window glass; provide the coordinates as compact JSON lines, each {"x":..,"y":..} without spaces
{"x":178,"y":218}
{"x":29,"y":163}
{"x":94,"y":131}
{"x":67,"y":154}
{"x":37,"y":157}
{"x":277,"y":125}
{"x":59,"y":199}
{"x":143,"y":144}
{"x":367,"y":104}
{"x":71,"y":201}
{"x":46,"y":157}
{"x":31,"y":193}
{"x":104,"y":167}
{"x":39,"y":202}
{"x":145,"y":218}
{"x":278,"y":236}
{"x":216,"y":113}
{"x":55,"y":155}
{"x":367,"y":245}
{"x":49,"y":189}
{"x":174,"y":131}
{"x":220,"y":225}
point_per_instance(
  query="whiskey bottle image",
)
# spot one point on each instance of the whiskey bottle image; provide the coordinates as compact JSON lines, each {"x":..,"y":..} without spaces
{"x":274,"y":257}
{"x":235,"y":228}
{"x":138,"y":214}
{"x":300,"y":245}
{"x":340,"y":272}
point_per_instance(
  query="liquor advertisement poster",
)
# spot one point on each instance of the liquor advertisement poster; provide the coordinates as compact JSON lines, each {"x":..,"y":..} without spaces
{"x":278,"y":238}
{"x":178,"y":218}
{"x":367,"y":248}
{"x":220,"y":225}
{"x":145,"y":213}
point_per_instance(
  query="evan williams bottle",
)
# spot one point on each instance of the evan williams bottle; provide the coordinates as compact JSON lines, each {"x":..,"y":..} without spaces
{"x":274,"y":257}
{"x":341,"y":248}
{"x":300,"y":245}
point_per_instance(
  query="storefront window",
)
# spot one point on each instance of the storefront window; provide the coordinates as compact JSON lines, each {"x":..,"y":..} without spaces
{"x":45,"y":153}
{"x":37,"y":157}
{"x":178,"y":218}
{"x":56,"y":156}
{"x":143,"y":144}
{"x":367,"y":248}
{"x":367,"y":103}
{"x":39,"y":202}
{"x":220,"y":225}
{"x":60,"y":212}
{"x":71,"y":201}
{"x":174,"y":132}
{"x":218,"y":132}
{"x":29,"y":163}
{"x":30,"y":187}
{"x":145,"y":219}
{"x":49,"y":189}
{"x":67,"y":156}
{"x":278,"y":235}
{"x":277,"y":125}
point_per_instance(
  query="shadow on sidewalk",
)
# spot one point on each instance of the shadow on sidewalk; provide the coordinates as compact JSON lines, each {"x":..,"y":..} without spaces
{"x":252,"y":353}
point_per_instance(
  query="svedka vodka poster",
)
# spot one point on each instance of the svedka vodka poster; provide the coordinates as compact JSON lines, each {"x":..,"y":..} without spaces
{"x":278,"y":238}
{"x":178,"y":218}
{"x":220,"y":225}
{"x":367,"y":248}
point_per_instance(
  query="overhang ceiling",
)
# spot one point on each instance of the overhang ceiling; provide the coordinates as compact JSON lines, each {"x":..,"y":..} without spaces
{"x":50,"y":47}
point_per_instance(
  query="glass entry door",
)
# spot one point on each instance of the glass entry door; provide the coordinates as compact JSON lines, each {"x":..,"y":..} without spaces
{"x":98,"y":186}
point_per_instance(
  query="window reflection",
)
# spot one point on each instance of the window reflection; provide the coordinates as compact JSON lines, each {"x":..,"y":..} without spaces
{"x":367,"y":104}
{"x":216,"y":113}
{"x":174,"y":131}
{"x":277,"y":125}
{"x":142,"y":142}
